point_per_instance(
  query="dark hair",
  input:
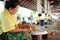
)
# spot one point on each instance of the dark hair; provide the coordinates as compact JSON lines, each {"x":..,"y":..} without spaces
{"x":24,"y":22}
{"x":48,"y":15}
{"x":11,"y":3}
{"x":39,"y":15}
{"x":45,"y":13}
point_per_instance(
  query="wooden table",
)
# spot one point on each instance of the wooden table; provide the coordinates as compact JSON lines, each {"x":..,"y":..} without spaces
{"x":38,"y":35}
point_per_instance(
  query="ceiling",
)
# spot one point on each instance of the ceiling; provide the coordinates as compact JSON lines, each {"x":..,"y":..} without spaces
{"x":28,"y":4}
{"x":32,"y":4}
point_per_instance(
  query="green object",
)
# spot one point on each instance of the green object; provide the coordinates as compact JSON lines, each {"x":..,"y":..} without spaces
{"x":32,"y":12}
{"x":18,"y":36}
{"x":1,"y":0}
{"x":0,"y":38}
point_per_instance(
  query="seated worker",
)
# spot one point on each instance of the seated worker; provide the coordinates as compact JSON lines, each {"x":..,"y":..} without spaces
{"x":9,"y":27}
{"x":45,"y":19}
{"x":49,"y":19}
{"x":38,"y":18}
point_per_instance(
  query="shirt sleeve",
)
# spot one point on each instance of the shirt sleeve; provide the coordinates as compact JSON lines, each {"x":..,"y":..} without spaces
{"x":7,"y":24}
{"x":0,"y":26}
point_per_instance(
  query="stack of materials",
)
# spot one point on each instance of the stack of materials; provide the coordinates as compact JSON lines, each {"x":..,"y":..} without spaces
{"x":29,"y":26}
{"x":58,"y":24}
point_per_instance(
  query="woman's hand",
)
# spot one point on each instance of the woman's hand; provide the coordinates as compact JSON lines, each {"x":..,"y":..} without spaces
{"x":20,"y":30}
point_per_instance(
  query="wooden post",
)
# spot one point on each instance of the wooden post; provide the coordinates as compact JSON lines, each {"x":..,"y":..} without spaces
{"x":39,"y":6}
{"x":49,"y":8}
{"x":45,"y":6}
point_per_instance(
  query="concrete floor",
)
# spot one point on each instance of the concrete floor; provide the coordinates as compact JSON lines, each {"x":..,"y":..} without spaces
{"x":56,"y":36}
{"x":51,"y":27}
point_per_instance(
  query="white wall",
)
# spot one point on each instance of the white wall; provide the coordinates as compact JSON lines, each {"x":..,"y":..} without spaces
{"x":1,"y":6}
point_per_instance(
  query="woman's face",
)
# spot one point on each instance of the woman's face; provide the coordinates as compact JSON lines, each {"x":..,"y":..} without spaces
{"x":14,"y":10}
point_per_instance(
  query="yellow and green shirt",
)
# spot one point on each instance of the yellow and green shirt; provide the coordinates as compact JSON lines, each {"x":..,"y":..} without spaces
{"x":49,"y":17}
{"x":8,"y":21}
{"x":38,"y":18}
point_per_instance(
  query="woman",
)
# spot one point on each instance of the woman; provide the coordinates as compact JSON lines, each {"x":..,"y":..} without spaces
{"x":49,"y":18}
{"x":10,"y":30}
